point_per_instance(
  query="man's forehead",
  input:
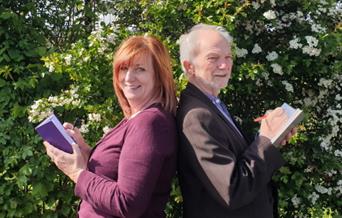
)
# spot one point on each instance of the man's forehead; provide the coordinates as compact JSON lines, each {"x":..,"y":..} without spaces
{"x":210,"y":39}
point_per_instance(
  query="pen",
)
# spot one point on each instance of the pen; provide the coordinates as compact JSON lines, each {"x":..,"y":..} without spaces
{"x":76,"y":123}
{"x":258,"y":119}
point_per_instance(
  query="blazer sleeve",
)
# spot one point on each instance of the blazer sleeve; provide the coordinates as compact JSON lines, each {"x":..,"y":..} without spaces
{"x":147,"y":145}
{"x":232,"y":179}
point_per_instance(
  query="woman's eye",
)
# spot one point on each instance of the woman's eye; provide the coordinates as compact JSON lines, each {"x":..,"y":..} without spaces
{"x":140,"y":69}
{"x":123,"y":68}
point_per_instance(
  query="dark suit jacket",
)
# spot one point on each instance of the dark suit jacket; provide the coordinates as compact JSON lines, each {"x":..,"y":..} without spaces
{"x":221,"y":173}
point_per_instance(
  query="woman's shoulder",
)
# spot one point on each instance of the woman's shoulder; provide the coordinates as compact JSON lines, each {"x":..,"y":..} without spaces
{"x":154,"y":114}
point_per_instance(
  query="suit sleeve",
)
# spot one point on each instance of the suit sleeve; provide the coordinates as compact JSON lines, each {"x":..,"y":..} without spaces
{"x":146,"y":146}
{"x":234,"y":180}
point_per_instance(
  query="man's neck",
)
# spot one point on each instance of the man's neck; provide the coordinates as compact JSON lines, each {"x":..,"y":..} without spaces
{"x":205,"y":87}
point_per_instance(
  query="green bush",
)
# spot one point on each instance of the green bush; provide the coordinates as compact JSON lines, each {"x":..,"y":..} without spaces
{"x":288,"y":51}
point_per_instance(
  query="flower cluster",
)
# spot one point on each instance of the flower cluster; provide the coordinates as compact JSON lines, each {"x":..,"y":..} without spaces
{"x":42,"y":108}
{"x":311,"y":47}
{"x":241,"y":52}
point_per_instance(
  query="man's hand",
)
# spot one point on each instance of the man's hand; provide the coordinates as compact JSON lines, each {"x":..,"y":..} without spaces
{"x":272,"y":124}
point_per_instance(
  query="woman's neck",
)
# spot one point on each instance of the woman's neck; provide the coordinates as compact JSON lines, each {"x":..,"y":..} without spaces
{"x":136,"y":109}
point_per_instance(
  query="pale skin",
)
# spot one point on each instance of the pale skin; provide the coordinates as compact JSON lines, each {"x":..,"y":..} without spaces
{"x":137,"y":82}
{"x":210,"y":70}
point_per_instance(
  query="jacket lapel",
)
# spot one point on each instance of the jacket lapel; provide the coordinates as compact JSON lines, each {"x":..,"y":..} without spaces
{"x":193,"y":90}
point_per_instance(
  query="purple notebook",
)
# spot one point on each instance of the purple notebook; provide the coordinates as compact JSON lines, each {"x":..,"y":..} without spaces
{"x":52,"y":130}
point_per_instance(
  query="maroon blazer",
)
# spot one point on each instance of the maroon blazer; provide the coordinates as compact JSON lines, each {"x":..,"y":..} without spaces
{"x":221,"y":174}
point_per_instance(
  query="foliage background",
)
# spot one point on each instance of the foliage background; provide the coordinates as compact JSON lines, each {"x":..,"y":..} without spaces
{"x":56,"y":56}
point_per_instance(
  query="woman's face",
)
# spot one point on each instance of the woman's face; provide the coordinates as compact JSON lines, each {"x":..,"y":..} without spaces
{"x":137,"y":81}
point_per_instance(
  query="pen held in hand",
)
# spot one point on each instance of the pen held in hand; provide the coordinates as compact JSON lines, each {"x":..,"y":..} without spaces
{"x":259,"y":119}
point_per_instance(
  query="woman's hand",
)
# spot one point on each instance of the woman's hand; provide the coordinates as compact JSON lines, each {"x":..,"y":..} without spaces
{"x":77,"y":136}
{"x":71,"y":164}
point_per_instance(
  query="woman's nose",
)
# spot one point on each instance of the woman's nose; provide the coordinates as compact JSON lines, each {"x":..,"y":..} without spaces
{"x":129,"y":75}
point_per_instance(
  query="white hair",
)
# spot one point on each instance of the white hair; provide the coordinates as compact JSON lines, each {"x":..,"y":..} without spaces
{"x":188,"y":42}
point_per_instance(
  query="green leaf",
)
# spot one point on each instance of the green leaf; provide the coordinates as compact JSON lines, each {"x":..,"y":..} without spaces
{"x":15,"y":55}
{"x":39,"y":190}
{"x":18,"y":111}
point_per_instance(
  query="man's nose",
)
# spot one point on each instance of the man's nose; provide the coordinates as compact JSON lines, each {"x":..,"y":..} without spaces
{"x":223,"y":65}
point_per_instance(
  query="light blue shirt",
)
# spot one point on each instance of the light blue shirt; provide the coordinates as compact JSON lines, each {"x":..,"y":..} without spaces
{"x":224,"y":111}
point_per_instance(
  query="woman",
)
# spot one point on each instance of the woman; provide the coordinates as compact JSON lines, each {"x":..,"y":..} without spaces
{"x":129,"y":172}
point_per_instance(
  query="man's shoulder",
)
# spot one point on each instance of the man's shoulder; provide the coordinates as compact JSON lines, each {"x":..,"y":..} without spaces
{"x":189,"y":102}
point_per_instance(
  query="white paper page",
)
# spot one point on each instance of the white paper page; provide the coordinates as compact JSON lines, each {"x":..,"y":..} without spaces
{"x":288,"y":109}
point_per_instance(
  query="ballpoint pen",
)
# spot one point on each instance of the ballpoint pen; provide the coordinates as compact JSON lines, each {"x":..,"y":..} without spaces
{"x":258,"y":119}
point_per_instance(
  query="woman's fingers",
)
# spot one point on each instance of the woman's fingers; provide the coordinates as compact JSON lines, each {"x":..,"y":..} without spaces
{"x":67,"y":125}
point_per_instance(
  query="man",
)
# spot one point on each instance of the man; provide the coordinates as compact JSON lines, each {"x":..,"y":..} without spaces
{"x":222,"y":173}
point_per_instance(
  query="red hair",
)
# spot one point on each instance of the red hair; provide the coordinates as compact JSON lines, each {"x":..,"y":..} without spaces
{"x":161,"y":61}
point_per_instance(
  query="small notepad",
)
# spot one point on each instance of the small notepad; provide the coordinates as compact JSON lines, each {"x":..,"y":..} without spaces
{"x":295,"y":117}
{"x":52,"y":130}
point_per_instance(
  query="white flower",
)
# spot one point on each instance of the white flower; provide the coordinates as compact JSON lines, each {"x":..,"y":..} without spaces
{"x":313,"y":197}
{"x":310,"y":101}
{"x":288,"y":86}
{"x":338,"y":153}
{"x":299,"y":14}
{"x":331,"y":173}
{"x":111,"y":38}
{"x":270,"y":15}
{"x":339,"y":186}
{"x":273,"y":3}
{"x":338,"y":97}
{"x":76,"y":102}
{"x":255,"y":5}
{"x":325,"y":144}
{"x":321,"y":189}
{"x":312,"y":41}
{"x":258,"y":82}
{"x":241,"y":52}
{"x":67,"y":59}
{"x":311,"y":51}
{"x":294,"y":43}
{"x":51,"y":68}
{"x":272,"y":56}
{"x":323,"y":2}
{"x":318,"y":28}
{"x":296,"y":201}
{"x":84,"y":128}
{"x":94,"y":117}
{"x":309,"y":169}
{"x":277,"y":69}
{"x":325,"y":82}
{"x":256,"y":49}
{"x":105,"y":129}
{"x":85,"y":59}
{"x":265,"y":75}
{"x":249,"y":26}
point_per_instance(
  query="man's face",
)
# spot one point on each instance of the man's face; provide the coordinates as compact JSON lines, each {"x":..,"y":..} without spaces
{"x":212,"y":65}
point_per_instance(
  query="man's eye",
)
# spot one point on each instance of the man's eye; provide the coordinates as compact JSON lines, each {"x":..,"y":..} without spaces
{"x":212,"y":58}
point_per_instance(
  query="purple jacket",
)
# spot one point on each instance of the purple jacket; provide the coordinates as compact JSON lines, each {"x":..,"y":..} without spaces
{"x":130,"y":170}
